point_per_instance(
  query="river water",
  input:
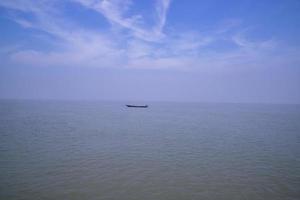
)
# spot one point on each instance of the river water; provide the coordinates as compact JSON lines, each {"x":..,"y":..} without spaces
{"x":104,"y":150}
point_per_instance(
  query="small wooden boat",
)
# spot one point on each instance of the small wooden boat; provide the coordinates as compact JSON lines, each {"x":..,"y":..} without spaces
{"x":137,"y":106}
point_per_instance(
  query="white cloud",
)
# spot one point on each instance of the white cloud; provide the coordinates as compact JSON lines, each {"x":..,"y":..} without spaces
{"x":116,"y":11}
{"x":148,"y":46}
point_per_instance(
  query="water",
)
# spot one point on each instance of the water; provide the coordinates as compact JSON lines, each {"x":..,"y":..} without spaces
{"x":103,"y":150}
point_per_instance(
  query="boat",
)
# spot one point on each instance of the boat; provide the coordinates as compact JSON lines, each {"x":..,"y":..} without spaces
{"x":137,"y":106}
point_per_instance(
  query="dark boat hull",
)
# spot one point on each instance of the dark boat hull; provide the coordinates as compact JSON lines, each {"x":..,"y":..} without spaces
{"x":134,"y":106}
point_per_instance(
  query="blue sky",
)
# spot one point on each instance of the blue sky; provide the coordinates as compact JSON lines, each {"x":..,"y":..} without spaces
{"x":214,"y":50}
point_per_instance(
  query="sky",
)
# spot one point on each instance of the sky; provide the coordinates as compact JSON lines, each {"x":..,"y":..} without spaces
{"x":151,"y":50}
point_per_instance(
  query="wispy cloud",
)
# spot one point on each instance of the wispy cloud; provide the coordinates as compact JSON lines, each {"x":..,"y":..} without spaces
{"x":148,"y":44}
{"x":117,"y":12}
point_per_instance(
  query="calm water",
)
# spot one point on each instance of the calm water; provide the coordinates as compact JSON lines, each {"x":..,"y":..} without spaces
{"x":103,"y":150}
